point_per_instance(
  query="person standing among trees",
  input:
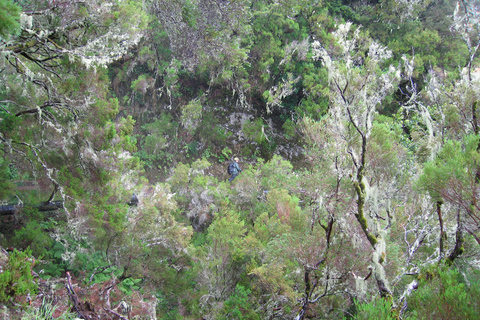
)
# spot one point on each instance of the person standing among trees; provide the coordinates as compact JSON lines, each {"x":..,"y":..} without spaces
{"x":234,"y":169}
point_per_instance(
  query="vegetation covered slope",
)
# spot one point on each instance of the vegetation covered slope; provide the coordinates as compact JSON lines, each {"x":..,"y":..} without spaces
{"x":357,"y":129}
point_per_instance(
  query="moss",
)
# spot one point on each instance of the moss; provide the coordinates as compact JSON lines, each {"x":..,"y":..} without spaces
{"x":363,"y":222}
{"x":382,"y":257}
{"x":362,"y":186}
{"x":373,"y":240}
{"x":359,"y":215}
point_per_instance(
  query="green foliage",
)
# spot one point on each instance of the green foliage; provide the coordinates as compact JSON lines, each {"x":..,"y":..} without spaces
{"x":338,"y":8}
{"x":456,"y":162}
{"x":45,"y":312}
{"x":259,"y":236}
{"x":384,"y":150}
{"x":56,"y":266}
{"x":289,"y":128}
{"x":35,"y":236}
{"x":142,"y":83}
{"x":99,"y":272}
{"x":240,"y":306}
{"x":226,"y":154}
{"x":72,"y":181}
{"x":267,"y":228}
{"x":75,"y":257}
{"x":167,"y":307}
{"x":272,"y":278}
{"x":421,"y":30}
{"x":189,"y":14}
{"x":161,"y":43}
{"x":198,"y":239}
{"x":17,"y":280}
{"x":226,"y":252}
{"x":180,"y":177}
{"x":8,"y":122}
{"x":6,"y":176}
{"x":277,"y":173}
{"x":225,"y":234}
{"x":191,"y":115}
{"x":378,"y":308}
{"x":254,"y":130}
{"x":157,"y":142}
{"x":9,"y":18}
{"x":455,"y":294}
{"x":124,"y":132}
{"x":211,"y":133}
{"x":129,"y":284}
{"x":281,"y":56}
{"x":133,"y":14}
{"x":274,"y":27}
{"x":286,"y":208}
{"x":419,"y":42}
{"x":192,"y":148}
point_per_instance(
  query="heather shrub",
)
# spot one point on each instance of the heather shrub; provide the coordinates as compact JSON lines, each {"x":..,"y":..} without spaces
{"x":446,"y":294}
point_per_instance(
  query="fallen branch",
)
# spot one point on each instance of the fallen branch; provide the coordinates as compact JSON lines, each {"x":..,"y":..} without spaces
{"x":73,"y":295}
{"x":45,"y":206}
{"x":115,"y":313}
{"x":107,"y":294}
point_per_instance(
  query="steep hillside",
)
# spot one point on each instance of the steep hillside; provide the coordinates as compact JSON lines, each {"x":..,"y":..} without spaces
{"x":355,"y":124}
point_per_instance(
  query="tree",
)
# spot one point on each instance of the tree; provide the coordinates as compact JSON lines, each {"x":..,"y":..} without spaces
{"x":59,"y":125}
{"x":359,"y":82}
{"x":452,"y":179}
{"x":206,"y":38}
{"x":454,"y":106}
{"x":55,"y":103}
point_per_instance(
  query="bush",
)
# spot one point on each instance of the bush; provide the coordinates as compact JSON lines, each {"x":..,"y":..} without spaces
{"x":445,"y":294}
{"x":34,"y":236}
{"x":239,"y":306}
{"x":378,"y":308}
{"x":17,"y":280}
{"x":254,"y":130}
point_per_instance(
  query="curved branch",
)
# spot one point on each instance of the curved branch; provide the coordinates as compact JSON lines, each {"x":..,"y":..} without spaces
{"x":36,"y":110}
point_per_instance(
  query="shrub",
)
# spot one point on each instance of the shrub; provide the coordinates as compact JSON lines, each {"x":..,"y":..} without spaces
{"x":239,"y":306}
{"x":34,"y":236}
{"x":254,"y":130}
{"x":17,"y":280}
{"x":445,"y":294}
{"x":378,"y":308}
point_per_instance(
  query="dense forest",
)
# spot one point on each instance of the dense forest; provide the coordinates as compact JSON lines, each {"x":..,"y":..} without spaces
{"x":358,"y":136}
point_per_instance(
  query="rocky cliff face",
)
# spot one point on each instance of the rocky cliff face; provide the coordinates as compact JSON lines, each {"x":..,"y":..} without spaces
{"x":223,"y":126}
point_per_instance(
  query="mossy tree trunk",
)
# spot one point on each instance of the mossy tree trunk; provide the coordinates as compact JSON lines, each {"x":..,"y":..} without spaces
{"x":375,"y":239}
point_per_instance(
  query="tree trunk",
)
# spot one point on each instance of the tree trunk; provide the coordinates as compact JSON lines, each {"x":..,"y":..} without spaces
{"x":442,"y":233}
{"x":44,"y":206}
{"x":459,"y":241}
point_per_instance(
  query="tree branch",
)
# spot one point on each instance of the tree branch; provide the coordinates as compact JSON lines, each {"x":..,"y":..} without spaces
{"x":36,"y":110}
